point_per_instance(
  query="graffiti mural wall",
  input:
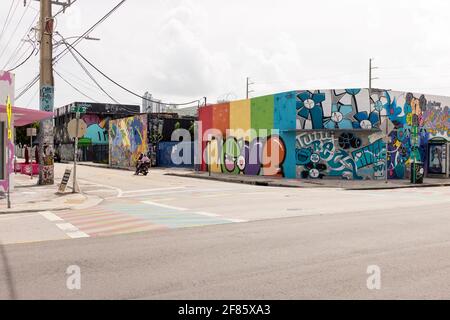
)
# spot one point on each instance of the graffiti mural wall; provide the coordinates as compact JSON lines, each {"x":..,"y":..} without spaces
{"x":127,"y":140}
{"x":322,"y":133}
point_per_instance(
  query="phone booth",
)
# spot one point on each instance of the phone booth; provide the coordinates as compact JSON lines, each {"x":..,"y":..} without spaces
{"x":438,"y":157}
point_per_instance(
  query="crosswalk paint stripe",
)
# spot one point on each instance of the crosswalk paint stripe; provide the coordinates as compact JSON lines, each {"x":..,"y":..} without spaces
{"x":164,"y":206}
{"x":102,"y":216}
{"x":50,"y":216}
{"x":105,"y":223}
{"x":78,"y":214}
{"x":127,"y":229}
{"x":107,"y":226}
{"x":78,"y":235}
{"x":67,"y":227}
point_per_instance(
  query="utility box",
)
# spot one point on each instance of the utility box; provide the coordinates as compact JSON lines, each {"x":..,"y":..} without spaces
{"x":417,"y":173}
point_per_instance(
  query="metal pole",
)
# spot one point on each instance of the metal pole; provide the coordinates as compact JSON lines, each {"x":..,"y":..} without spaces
{"x":209,"y":157}
{"x":387,"y":147}
{"x":8,"y":177}
{"x":247,"y":90}
{"x":75,"y":156}
{"x":370,"y":84}
{"x":31,"y":157}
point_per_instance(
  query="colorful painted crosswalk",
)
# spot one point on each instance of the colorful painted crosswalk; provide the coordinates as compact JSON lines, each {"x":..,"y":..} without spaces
{"x":129,"y":216}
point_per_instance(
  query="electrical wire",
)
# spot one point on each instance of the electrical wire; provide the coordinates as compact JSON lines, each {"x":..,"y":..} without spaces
{"x":27,"y":87}
{"x":15,"y":29}
{"x":126,"y":89}
{"x":85,"y":34}
{"x":22,"y":42}
{"x":87,"y":71}
{"x":63,"y":9}
{"x":73,"y":87}
{"x":65,"y":51}
{"x":23,"y":62}
{"x":6,"y":24}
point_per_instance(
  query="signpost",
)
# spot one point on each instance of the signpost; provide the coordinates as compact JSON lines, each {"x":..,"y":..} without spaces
{"x":415,"y":145}
{"x":8,"y":178}
{"x":31,"y":132}
{"x":388,"y":127}
{"x":76,"y":129}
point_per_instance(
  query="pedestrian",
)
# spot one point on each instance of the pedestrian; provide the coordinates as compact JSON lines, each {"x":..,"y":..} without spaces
{"x":27,"y":155}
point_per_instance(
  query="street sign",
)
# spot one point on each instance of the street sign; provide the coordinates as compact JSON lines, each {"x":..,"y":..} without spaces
{"x":31,"y":132}
{"x":65,"y":180}
{"x":78,"y":109}
{"x":72,"y":128}
{"x":9,"y":114}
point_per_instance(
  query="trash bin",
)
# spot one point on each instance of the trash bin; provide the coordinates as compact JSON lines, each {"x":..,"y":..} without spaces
{"x":417,"y":173}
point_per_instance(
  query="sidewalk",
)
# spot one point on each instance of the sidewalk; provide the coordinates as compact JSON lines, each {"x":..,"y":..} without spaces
{"x":29,"y":197}
{"x":325,"y":183}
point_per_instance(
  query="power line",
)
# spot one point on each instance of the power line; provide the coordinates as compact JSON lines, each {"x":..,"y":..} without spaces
{"x":87,"y":71}
{"x":22,"y":42}
{"x":124,"y":88}
{"x":6,"y":24}
{"x":80,"y":38}
{"x":78,"y":80}
{"x":15,"y":29}
{"x":27,"y":87}
{"x":65,"y":51}
{"x":73,"y":87}
{"x":23,"y":62}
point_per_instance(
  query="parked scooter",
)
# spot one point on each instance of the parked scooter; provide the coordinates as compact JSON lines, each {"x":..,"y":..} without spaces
{"x":143,"y":165}
{"x":143,"y":168}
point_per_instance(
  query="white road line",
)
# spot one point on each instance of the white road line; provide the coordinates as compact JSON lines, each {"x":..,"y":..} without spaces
{"x":67,"y":227}
{"x":155,"y":189}
{"x":71,"y":231}
{"x":50,"y":216}
{"x":236,"y":220}
{"x":164,"y":206}
{"x":78,"y":235}
{"x":208,"y":214}
{"x":96,"y":191}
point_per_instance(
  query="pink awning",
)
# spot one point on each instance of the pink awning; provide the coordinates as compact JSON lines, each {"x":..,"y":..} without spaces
{"x":23,"y":116}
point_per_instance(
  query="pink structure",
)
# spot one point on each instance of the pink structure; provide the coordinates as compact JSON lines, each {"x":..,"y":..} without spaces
{"x":20,"y":117}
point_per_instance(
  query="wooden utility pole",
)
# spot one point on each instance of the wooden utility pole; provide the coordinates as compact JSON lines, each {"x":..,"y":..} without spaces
{"x":47,"y":89}
{"x":47,"y":93}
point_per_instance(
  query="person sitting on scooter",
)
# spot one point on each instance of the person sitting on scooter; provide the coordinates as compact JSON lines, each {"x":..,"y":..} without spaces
{"x":143,"y":159}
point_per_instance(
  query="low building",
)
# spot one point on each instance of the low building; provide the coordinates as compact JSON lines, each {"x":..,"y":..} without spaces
{"x":161,"y":126}
{"x":328,"y":134}
{"x":19,"y":117}
{"x":94,"y":146}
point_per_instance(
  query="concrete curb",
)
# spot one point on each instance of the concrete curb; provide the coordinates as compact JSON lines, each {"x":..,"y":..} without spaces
{"x":308,"y":186}
{"x":240,"y":181}
{"x":434,"y":185}
{"x":90,"y":201}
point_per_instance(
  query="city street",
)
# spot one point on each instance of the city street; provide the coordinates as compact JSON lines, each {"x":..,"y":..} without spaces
{"x":169,"y":237}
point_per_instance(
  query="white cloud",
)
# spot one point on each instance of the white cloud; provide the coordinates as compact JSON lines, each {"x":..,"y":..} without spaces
{"x":182,"y":50}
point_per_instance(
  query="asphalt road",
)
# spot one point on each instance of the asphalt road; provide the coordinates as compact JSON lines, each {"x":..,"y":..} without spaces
{"x":305,"y":257}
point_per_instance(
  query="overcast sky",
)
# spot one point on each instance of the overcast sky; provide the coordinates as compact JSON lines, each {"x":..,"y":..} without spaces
{"x":181,"y":50}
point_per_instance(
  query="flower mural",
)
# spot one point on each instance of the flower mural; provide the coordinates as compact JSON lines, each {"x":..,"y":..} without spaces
{"x":309,"y":107}
{"x":340,"y":117}
{"x":366,"y":121}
